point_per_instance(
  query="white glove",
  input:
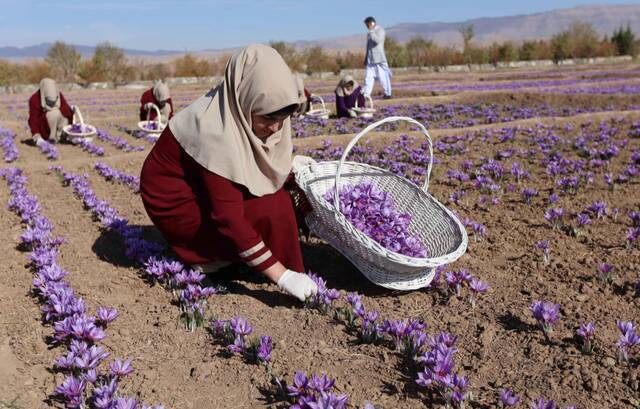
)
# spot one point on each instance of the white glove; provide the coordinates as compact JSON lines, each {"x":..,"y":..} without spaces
{"x":301,"y":161}
{"x":148,"y":105}
{"x":73,"y":108}
{"x":39,"y":140}
{"x":352,"y":113}
{"x":297,"y":284}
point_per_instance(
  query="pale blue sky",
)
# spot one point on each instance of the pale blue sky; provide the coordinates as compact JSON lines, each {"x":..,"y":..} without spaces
{"x":197,"y":24}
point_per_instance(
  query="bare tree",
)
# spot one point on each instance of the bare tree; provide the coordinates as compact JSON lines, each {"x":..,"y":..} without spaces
{"x":64,"y":61}
{"x":418,"y":51}
{"x":108,"y":64}
{"x":468,"y":32}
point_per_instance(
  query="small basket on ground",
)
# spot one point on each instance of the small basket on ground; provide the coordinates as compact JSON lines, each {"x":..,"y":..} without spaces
{"x":79,"y":131}
{"x":152,"y":127}
{"x":364,"y":112}
{"x":435,"y":225}
{"x":321,"y":113}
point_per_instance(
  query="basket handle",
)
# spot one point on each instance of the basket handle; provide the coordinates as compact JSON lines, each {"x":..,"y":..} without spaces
{"x":158,"y":115}
{"x":368,"y":97}
{"x":311,"y":101}
{"x":79,"y":114}
{"x":347,"y":150}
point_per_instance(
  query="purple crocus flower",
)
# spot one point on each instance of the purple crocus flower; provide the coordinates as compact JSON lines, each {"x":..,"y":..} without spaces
{"x":321,"y":383}
{"x":528,"y":194}
{"x":587,"y":332}
{"x":546,"y":313}
{"x":91,"y":358}
{"x":508,"y":398}
{"x":121,"y":369}
{"x":605,"y":273}
{"x":106,"y":315}
{"x":599,"y":209}
{"x":456,"y":279}
{"x":476,"y":288}
{"x":628,"y":339}
{"x":240,"y":326}
{"x":329,"y":401}
{"x":72,"y":389}
{"x":582,"y":219}
{"x":554,"y":216}
{"x":264,"y":348}
{"x":125,"y":403}
{"x":300,"y":385}
{"x":542,"y":403}
{"x":545,"y":246}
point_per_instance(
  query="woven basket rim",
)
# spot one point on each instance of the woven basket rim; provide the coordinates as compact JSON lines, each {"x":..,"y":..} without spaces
{"x":92,"y":130}
{"x":377,"y":247}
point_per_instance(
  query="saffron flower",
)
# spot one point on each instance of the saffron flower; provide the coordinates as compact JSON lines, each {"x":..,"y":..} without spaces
{"x":587,"y":332}
{"x":508,"y":398}
{"x":605,"y":273}
{"x":476,"y":288}
{"x":545,"y":246}
{"x":546,"y":314}
{"x":627,"y":340}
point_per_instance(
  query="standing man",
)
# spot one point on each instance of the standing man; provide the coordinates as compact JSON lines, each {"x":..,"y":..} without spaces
{"x":376,"y":61}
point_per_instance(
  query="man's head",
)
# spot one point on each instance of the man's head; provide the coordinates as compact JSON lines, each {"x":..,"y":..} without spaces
{"x":370,"y":22}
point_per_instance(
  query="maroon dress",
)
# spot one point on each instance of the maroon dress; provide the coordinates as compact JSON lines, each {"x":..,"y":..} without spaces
{"x":38,"y":116}
{"x":147,"y":97}
{"x":206,"y":218}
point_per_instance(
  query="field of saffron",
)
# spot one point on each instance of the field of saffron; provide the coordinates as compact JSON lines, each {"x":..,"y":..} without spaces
{"x":543,"y":311}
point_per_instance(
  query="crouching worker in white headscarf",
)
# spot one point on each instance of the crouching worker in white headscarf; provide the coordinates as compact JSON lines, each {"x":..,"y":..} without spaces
{"x":159,"y":96}
{"x":214,"y":182}
{"x":49,"y":113}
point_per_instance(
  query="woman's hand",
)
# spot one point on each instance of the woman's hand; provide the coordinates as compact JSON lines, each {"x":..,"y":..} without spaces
{"x":301,"y":161}
{"x":298,"y":285}
{"x":37,"y":138}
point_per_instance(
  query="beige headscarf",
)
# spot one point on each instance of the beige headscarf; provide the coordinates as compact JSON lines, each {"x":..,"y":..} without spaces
{"x":161,"y":91}
{"x":341,"y":89}
{"x":49,"y":89}
{"x":216,"y":129}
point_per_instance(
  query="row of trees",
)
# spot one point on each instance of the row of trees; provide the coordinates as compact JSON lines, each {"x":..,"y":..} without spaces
{"x":109,"y":62}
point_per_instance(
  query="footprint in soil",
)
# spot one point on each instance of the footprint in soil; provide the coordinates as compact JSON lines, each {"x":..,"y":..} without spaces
{"x":512,"y":322}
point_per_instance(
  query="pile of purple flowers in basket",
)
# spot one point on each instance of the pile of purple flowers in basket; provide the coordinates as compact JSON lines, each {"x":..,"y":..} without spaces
{"x":150,"y":126}
{"x":80,"y":129}
{"x":373,"y":212}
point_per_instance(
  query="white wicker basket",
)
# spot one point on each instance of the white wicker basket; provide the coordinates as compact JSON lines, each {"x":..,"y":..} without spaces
{"x":87,"y":130}
{"x":364,"y":112}
{"x":436,"y":226}
{"x":142,"y":125}
{"x":322,"y":113}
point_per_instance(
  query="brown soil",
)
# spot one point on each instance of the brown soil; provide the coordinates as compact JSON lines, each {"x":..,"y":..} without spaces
{"x":499,"y":344}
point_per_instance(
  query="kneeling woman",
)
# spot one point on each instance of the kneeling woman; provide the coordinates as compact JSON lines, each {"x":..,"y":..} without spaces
{"x":159,"y":96}
{"x":348,"y":93}
{"x":213,"y":182}
{"x":49,"y":113}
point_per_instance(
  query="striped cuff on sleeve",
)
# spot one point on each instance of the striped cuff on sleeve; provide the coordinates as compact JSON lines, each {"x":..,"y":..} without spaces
{"x":258,"y":257}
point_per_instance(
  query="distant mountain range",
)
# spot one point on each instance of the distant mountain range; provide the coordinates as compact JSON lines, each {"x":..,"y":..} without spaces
{"x":604,"y":18}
